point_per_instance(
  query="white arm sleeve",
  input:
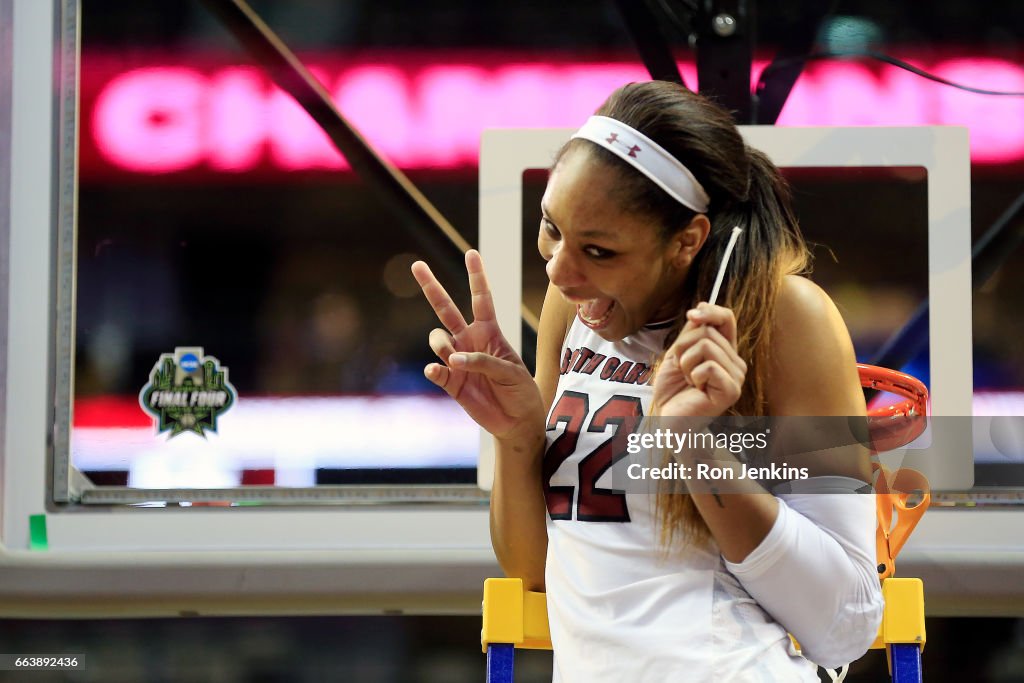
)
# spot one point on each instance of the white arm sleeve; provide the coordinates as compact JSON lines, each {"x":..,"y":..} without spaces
{"x":815,"y":572}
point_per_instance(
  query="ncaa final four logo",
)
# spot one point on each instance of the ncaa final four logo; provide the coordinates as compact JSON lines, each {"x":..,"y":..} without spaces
{"x":187,"y":392}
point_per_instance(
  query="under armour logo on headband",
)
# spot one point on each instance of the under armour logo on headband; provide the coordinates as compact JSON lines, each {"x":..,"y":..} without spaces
{"x":662,"y":168}
{"x":614,"y":137}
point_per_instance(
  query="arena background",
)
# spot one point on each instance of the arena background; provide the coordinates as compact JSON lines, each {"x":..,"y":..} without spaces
{"x":221,"y":213}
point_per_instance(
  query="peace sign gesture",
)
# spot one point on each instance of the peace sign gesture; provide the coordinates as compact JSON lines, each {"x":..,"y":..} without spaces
{"x":479,"y":368}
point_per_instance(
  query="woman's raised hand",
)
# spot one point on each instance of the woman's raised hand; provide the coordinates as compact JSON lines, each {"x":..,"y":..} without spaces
{"x":479,"y":368}
{"x":701,"y":374}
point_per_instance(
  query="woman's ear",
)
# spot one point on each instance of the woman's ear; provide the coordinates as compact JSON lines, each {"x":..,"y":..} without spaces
{"x":690,"y":239}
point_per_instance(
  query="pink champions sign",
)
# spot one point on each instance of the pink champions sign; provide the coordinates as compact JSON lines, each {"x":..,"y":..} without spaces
{"x":157,"y":115}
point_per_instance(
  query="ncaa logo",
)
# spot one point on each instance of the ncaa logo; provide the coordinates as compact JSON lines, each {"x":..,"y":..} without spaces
{"x":187,"y":392}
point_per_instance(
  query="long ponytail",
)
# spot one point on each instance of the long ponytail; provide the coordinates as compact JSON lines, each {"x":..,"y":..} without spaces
{"x":770,"y":248}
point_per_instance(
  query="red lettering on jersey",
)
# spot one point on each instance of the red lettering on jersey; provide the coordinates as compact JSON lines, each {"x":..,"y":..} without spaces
{"x":609,"y":367}
{"x":634,"y":374}
{"x":572,"y":359}
{"x":585,"y":355}
{"x":587,"y":361}
{"x":565,"y":361}
{"x":620,"y":374}
{"x":645,"y":375}
{"x":592,"y":365}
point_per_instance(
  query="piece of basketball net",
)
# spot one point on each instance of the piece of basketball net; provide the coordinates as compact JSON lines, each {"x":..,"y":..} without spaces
{"x":906,"y":491}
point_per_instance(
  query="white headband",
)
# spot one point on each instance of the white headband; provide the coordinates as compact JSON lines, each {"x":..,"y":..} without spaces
{"x":648,"y":157}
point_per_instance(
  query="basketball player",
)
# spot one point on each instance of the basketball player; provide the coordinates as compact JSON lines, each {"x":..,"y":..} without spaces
{"x":637,"y":214}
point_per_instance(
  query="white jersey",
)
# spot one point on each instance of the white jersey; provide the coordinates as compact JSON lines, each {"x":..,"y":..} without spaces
{"x":618,"y":610}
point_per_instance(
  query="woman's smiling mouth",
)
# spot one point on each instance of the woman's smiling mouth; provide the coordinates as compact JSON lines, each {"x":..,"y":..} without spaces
{"x":595,"y":313}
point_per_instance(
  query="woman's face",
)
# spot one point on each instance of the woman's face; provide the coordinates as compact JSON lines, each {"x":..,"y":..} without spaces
{"x":609,"y":261}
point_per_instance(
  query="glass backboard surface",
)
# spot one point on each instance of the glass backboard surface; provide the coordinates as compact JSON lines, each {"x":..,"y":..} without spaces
{"x":234,"y":323}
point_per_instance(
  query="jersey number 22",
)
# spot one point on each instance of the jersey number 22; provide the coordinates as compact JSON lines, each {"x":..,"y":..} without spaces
{"x":572,"y":408}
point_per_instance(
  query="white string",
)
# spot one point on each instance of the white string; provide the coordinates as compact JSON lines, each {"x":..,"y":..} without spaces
{"x":725,"y":262}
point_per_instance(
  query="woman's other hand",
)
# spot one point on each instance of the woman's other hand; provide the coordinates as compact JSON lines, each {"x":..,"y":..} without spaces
{"x":479,"y":368}
{"x":701,"y":374}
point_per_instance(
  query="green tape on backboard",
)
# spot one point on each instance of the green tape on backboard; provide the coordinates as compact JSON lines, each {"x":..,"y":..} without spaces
{"x":37,"y":539}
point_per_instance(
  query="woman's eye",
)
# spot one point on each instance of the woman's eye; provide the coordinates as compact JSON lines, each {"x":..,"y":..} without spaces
{"x":598,"y":252}
{"x":549,"y":228}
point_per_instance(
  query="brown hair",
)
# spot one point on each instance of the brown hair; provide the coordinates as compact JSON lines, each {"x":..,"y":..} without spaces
{"x":746,"y":190}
